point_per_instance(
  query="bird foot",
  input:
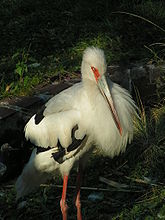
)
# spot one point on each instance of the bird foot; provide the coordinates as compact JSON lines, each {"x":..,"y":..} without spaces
{"x":79,"y":215}
{"x":64,"y":209}
{"x":78,"y":206}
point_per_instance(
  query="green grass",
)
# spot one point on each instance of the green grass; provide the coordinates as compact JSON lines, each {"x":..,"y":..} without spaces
{"x":24,"y":77}
{"x":58,"y":31}
{"x":149,"y":207}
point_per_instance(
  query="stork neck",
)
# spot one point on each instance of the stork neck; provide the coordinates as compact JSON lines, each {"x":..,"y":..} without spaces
{"x":91,"y":90}
{"x":89,"y":85}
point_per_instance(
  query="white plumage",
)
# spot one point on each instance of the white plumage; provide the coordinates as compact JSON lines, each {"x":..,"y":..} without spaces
{"x":85,"y":104}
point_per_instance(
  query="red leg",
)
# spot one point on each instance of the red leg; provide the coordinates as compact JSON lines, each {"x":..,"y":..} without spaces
{"x":77,"y":200}
{"x":63,"y":203}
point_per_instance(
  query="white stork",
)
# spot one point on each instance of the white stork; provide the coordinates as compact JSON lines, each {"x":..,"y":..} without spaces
{"x":95,"y":113}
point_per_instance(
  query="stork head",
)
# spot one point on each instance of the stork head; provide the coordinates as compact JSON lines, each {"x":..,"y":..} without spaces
{"x":93,"y":68}
{"x":93,"y":64}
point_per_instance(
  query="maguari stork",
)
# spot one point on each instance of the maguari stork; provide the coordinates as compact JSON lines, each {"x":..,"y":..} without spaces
{"x":95,"y":113}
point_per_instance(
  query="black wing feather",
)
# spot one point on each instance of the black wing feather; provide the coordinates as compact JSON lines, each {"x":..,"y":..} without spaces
{"x":40,"y":115}
{"x":74,"y":145}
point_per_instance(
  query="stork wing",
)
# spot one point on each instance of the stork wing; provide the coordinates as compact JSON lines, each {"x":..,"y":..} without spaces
{"x":52,"y":128}
{"x":64,"y":101}
{"x":58,"y":156}
{"x":53,"y":124}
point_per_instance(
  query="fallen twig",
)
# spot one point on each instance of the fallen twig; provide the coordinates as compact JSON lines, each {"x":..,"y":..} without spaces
{"x":113,"y":183}
{"x":95,"y":188}
{"x":145,"y":181}
{"x":74,"y":187}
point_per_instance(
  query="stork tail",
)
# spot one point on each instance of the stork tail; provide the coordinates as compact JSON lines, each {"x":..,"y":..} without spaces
{"x":37,"y":171}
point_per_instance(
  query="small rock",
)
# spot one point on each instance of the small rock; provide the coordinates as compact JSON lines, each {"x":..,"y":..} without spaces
{"x":96,"y":196}
{"x":3,"y":169}
{"x":1,"y":195}
{"x":6,"y":147}
{"x":22,"y":205}
{"x":34,"y":65}
{"x":44,"y":97}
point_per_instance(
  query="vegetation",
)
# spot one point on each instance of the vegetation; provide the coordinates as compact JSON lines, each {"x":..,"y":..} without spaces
{"x":41,"y":39}
{"x":54,"y":34}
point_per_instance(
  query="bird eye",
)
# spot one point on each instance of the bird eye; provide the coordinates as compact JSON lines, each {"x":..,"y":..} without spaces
{"x":96,"y":73}
{"x":93,"y":68}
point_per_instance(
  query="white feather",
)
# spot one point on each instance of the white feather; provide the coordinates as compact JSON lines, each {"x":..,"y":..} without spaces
{"x":37,"y":171}
{"x":42,"y":167}
{"x":82,"y":104}
{"x":51,"y":128}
